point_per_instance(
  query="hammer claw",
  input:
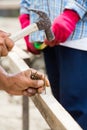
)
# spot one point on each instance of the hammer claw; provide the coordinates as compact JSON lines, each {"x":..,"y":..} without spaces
{"x":44,"y":23}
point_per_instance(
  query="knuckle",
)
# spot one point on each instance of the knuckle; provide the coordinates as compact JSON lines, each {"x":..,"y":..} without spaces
{"x":9,"y":43}
{"x":4,"y":53}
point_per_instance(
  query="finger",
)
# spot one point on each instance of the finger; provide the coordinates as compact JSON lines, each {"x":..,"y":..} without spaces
{"x":46,"y":82}
{"x":44,"y":78}
{"x":29,"y":72}
{"x":12,"y":92}
{"x":39,"y":75}
{"x":51,"y":43}
{"x":37,"y":79}
{"x":41,"y":90}
{"x":9,"y":44}
{"x":0,"y":50}
{"x":3,"y":49}
{"x":4,"y":34}
{"x":30,"y":92}
{"x":36,"y":83}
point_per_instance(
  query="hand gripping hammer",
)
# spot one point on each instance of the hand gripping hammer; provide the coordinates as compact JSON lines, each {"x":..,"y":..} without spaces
{"x":44,"y":23}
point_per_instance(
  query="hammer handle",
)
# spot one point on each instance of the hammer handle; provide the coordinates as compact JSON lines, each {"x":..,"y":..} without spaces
{"x":24,"y":32}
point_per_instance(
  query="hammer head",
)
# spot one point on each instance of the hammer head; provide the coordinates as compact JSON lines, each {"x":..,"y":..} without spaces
{"x":44,"y":23}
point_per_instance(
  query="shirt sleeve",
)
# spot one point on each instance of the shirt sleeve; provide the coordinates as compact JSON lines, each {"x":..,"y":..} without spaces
{"x":80,"y":7}
{"x":24,"y":5}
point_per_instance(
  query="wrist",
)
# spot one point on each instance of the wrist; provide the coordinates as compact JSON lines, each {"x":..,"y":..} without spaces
{"x":64,"y":25}
{"x":73,"y":15}
{"x":3,"y":81}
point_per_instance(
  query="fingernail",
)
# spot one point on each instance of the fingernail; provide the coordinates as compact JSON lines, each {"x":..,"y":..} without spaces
{"x":30,"y":90}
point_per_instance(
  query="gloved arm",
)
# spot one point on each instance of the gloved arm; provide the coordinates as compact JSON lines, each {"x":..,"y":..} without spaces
{"x":24,"y":21}
{"x":63,"y":26}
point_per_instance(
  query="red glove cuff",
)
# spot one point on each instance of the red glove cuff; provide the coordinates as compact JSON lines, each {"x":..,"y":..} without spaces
{"x":64,"y":25}
{"x":30,"y":46}
{"x":72,"y":15}
{"x":24,"y":20}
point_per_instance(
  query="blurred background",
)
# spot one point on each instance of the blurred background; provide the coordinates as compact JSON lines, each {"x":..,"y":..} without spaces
{"x":9,"y":8}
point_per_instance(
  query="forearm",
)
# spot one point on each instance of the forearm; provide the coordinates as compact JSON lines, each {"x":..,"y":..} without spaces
{"x":3,"y":78}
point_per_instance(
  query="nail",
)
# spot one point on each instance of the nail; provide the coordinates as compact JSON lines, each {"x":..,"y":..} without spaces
{"x":30,"y":90}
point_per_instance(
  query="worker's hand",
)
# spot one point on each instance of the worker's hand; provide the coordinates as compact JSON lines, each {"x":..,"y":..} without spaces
{"x":25,"y":21}
{"x":24,"y":83}
{"x":6,"y":44}
{"x":38,"y":77}
{"x":63,"y":26}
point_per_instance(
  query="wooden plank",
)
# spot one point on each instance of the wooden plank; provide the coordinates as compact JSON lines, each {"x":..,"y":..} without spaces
{"x":21,"y":53}
{"x":55,"y":115}
{"x":14,"y":67}
{"x":25,"y":113}
{"x":9,"y":4}
{"x":16,"y":62}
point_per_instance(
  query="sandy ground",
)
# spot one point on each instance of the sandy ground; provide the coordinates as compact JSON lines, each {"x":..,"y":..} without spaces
{"x":11,"y":106}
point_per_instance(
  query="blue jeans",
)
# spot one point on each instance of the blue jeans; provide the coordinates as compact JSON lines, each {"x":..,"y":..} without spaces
{"x":67,"y":72}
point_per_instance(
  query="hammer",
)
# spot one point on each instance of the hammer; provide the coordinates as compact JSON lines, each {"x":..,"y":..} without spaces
{"x":44,"y":23}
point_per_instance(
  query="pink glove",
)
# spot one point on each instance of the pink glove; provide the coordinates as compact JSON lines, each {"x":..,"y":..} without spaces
{"x":63,"y":26}
{"x":24,"y":20}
